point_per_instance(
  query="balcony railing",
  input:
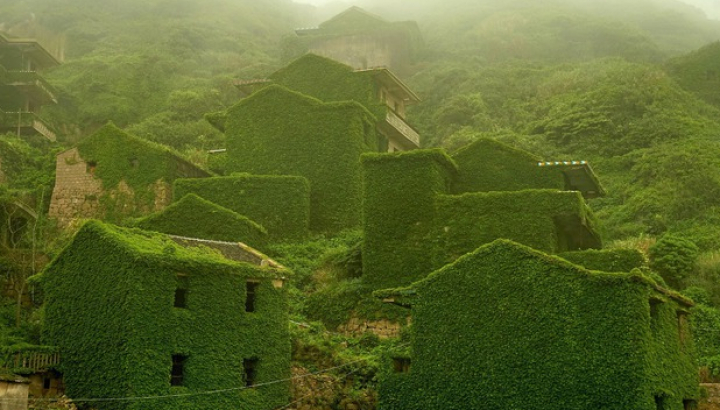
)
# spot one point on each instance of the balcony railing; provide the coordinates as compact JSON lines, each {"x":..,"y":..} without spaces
{"x":24,"y":123}
{"x":402,"y":127}
{"x":32,"y":78}
{"x":33,"y":358}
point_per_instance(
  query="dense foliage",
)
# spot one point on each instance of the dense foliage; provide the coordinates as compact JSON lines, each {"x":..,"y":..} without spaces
{"x":602,"y":344}
{"x":319,"y":141}
{"x":194,"y":217}
{"x":129,"y":280}
{"x":281,"y":204}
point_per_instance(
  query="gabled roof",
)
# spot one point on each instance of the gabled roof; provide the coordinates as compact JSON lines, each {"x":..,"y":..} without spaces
{"x":515,"y":251}
{"x":353,"y":15}
{"x":144,"y":245}
{"x":196,"y":217}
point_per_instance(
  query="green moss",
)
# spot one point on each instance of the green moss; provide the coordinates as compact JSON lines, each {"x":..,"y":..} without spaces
{"x":109,"y":308}
{"x":488,"y":165}
{"x":608,"y":260}
{"x":412,"y":226}
{"x":506,"y":320}
{"x":195,"y":217}
{"x":118,"y":156}
{"x":318,"y":141}
{"x":281,"y":204}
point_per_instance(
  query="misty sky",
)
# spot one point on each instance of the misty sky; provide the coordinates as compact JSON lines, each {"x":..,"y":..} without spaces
{"x":711,"y":7}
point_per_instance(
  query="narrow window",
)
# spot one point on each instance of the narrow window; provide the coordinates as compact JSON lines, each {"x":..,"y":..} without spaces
{"x":682,"y":326}
{"x":250,"y":369}
{"x":47,"y":382}
{"x":180,"y":298}
{"x":181,"y":291}
{"x":689,"y":404}
{"x":654,"y":308}
{"x":250,"y":295}
{"x":178,"y":369}
{"x":401,"y":364}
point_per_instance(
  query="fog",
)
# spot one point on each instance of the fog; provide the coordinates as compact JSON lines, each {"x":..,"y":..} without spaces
{"x":710,"y":7}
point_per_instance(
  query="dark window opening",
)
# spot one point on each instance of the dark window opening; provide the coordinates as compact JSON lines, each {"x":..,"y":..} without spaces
{"x":250,"y":296}
{"x":689,"y":404}
{"x":250,"y":369}
{"x":47,"y":382}
{"x":654,"y":308}
{"x":180,"y":298}
{"x":660,"y":402}
{"x":401,"y":364}
{"x":90,"y":167}
{"x":178,"y":370}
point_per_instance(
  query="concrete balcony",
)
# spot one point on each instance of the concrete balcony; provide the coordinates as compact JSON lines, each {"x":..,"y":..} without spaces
{"x":32,"y":84}
{"x":25,"y":123}
{"x":399,"y":131}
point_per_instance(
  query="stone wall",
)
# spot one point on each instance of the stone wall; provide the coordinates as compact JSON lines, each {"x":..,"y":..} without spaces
{"x":327,"y":392}
{"x":384,"y":329}
{"x":711,"y":400}
{"x":78,"y":192}
{"x":13,"y":394}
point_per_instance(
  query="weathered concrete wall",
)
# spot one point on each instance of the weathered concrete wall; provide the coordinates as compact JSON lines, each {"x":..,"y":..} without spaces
{"x":362,"y":51}
{"x":78,"y":192}
{"x":13,"y":395}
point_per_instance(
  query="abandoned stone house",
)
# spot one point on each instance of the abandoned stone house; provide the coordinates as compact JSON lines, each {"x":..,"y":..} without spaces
{"x":362,"y":40}
{"x":140,"y":314}
{"x":22,"y":90}
{"x":113,"y":175}
{"x":506,"y":326}
{"x":423,"y":209}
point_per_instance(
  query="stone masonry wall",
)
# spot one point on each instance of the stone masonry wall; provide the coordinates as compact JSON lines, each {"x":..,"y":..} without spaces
{"x":78,"y":191}
{"x":384,"y":329}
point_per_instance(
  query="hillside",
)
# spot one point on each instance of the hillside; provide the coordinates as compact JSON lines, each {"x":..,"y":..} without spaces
{"x":628,"y":86}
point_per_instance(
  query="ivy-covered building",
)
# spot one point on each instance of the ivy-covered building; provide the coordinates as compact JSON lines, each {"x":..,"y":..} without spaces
{"x":507,"y":326}
{"x":22,"y":90}
{"x":146,"y":321}
{"x":113,"y":175}
{"x":361,"y":40}
{"x":380,"y":91}
{"x":314,"y":119}
{"x":423,"y":209}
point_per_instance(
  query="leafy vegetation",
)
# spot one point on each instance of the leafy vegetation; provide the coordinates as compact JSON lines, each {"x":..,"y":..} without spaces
{"x":628,"y":86}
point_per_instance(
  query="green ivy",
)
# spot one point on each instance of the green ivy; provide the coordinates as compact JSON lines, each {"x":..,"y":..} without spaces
{"x":412,"y":226}
{"x":479,"y":324}
{"x":119,"y":156}
{"x":109,"y":300}
{"x":608,"y":260}
{"x":280,"y":132}
{"x":281,"y":204}
{"x":195,"y":217}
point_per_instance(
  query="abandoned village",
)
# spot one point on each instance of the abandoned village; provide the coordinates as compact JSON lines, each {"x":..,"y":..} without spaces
{"x":489,"y":257}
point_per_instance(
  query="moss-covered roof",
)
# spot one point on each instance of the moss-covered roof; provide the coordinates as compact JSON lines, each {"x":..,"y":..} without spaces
{"x":436,"y":154}
{"x":151,"y":247}
{"x":196,"y":217}
{"x":519,"y":251}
